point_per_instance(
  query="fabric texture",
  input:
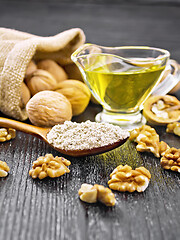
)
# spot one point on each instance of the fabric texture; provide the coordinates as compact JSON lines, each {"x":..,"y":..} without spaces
{"x":17,"y":49}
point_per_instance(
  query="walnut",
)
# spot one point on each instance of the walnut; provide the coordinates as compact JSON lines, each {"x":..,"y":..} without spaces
{"x":25,"y":95}
{"x":105,"y":195}
{"x":163,"y":147}
{"x":123,"y":178}
{"x":54,"y":69}
{"x":77,"y":93}
{"x":147,"y":139}
{"x":7,"y":134}
{"x":41,"y":80}
{"x":4,"y":169}
{"x":48,"y":108}
{"x":161,"y":110}
{"x":88,"y":193}
{"x":49,"y":166}
{"x":91,"y":194}
{"x":31,"y":68}
{"x":73,"y":72}
{"x":171,"y":159}
{"x":173,"y":128}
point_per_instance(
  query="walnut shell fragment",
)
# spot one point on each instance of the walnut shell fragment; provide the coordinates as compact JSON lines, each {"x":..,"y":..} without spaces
{"x":4,"y":169}
{"x":91,"y":194}
{"x":123,"y":179}
{"x":161,"y":110}
{"x":171,"y":160}
{"x":49,"y":166}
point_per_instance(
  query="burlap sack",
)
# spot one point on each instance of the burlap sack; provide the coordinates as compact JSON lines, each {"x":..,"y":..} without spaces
{"x":17,"y":49}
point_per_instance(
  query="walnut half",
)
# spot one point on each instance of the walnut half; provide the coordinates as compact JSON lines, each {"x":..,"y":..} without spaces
{"x":49,"y":166}
{"x":171,"y":159}
{"x":91,"y":194}
{"x":123,"y":179}
{"x":4,"y":169}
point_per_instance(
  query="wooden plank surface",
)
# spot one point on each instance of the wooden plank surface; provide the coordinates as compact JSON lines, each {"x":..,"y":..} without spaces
{"x":50,"y":208}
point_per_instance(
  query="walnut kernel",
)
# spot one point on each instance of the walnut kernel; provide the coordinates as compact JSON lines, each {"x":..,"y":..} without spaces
{"x":4,"y":169}
{"x":7,"y":134}
{"x":88,"y":193}
{"x":161,"y":110}
{"x":49,"y":166}
{"x":105,"y":195}
{"x":91,"y":194}
{"x":173,"y":128}
{"x":123,"y":178}
{"x":171,"y":160}
{"x":147,"y":139}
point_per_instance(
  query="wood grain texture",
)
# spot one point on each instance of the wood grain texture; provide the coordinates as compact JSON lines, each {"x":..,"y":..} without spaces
{"x":50,"y":208}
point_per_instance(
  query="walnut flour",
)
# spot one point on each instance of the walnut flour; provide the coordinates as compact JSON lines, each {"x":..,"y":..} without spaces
{"x":85,"y":135}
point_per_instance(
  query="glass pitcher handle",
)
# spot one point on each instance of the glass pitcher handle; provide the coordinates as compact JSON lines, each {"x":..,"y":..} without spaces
{"x":167,"y":84}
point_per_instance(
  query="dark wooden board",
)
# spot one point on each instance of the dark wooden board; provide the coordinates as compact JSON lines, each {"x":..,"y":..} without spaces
{"x":50,"y":208}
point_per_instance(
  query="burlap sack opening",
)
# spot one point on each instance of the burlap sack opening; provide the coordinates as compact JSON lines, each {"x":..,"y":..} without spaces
{"x":17,"y":49}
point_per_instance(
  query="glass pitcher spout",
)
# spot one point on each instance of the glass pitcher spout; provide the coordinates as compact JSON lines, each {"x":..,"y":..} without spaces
{"x":81,"y":57}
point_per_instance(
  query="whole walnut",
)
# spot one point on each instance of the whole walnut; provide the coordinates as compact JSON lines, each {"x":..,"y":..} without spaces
{"x":54,"y":69}
{"x":25,"y":95}
{"x":48,"y":108}
{"x":32,"y":67}
{"x":41,"y":80}
{"x":73,"y":72}
{"x":77,"y":93}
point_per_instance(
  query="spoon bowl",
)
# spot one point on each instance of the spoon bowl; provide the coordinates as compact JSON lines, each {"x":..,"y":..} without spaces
{"x":42,"y":134}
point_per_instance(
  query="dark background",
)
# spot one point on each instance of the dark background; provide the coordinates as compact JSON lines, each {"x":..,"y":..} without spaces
{"x":110,"y":23}
{"x":51,"y":209}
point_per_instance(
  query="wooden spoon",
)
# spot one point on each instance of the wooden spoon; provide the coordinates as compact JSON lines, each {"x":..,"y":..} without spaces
{"x":42,"y":134}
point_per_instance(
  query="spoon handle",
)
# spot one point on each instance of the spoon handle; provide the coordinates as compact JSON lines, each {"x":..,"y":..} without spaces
{"x":23,"y":127}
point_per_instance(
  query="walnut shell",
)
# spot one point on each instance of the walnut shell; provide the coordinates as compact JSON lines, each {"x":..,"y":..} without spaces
{"x":30,"y":69}
{"x":73,"y":72}
{"x":48,"y":108}
{"x":41,"y":80}
{"x":169,"y":109}
{"x":77,"y":93}
{"x":25,"y":95}
{"x":176,"y":67}
{"x":54,"y":69}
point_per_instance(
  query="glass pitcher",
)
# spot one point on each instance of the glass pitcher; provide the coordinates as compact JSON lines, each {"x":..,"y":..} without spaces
{"x":121,"y":79}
